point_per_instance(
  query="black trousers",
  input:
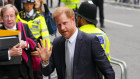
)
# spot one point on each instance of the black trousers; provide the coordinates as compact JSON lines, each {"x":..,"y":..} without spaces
{"x":38,"y":74}
{"x":99,"y":4}
{"x":13,"y":72}
{"x":59,"y":2}
{"x":51,"y":2}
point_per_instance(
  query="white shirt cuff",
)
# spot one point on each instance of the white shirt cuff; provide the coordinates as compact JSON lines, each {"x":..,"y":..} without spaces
{"x":9,"y":57}
{"x":28,"y":47}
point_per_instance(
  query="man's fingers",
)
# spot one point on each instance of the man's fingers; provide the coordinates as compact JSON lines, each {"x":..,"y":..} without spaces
{"x":39,"y":52}
{"x":41,"y":43}
{"x":17,"y":45}
{"x":20,"y":50}
{"x":38,"y":49}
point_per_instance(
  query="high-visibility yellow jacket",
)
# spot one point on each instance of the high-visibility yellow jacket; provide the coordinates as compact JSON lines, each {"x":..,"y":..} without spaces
{"x":74,"y":4}
{"x":37,"y":26}
{"x":91,"y":29}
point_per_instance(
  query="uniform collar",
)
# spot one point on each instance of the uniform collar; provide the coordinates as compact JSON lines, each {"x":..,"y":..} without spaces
{"x":31,"y":12}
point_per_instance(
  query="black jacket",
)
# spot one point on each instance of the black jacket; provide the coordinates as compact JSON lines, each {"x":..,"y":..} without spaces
{"x":24,"y":69}
{"x":88,"y":56}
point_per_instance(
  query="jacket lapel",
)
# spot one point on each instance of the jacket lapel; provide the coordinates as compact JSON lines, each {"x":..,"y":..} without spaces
{"x":63,"y":59}
{"x":78,"y":45}
{"x":62,"y":55}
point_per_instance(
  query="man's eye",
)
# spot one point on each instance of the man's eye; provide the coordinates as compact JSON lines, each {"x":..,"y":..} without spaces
{"x":65,"y":23}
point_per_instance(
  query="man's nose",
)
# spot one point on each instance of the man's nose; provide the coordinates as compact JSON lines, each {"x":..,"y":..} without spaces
{"x":9,"y":18}
{"x":62,"y":27}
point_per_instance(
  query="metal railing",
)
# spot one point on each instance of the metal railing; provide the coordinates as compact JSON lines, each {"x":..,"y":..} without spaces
{"x":122,"y":65}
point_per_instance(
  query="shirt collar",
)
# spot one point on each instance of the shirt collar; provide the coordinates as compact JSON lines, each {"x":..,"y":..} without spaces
{"x":14,"y":28}
{"x":31,"y":12}
{"x":73,"y":37}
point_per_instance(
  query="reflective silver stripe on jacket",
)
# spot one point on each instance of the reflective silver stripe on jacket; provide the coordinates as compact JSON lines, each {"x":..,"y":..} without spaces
{"x":36,"y":34}
{"x":35,"y":26}
{"x":46,"y":37}
{"x":37,"y":22}
{"x":68,"y":0}
{"x":43,"y":30}
{"x":34,"y":29}
{"x":71,"y":4}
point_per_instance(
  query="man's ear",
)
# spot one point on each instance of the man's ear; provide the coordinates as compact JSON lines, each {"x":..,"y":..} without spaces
{"x":83,"y":21}
{"x":73,"y":19}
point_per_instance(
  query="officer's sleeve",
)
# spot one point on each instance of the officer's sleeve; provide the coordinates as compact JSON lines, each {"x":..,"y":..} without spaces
{"x":44,"y":31}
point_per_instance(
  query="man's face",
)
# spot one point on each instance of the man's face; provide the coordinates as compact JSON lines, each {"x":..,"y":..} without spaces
{"x":28,"y":6}
{"x":66,"y":26}
{"x":9,"y":18}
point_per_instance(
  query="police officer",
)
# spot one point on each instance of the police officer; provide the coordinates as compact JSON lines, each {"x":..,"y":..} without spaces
{"x":74,"y":4}
{"x":99,"y":3}
{"x":86,"y":22}
{"x":37,"y":25}
{"x":35,"y":21}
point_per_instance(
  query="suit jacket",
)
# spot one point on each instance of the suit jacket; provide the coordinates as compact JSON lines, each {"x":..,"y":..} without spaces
{"x":88,"y":56}
{"x":24,"y":69}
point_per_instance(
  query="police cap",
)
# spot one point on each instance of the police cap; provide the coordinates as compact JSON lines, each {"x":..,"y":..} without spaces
{"x":27,"y":1}
{"x":87,"y":10}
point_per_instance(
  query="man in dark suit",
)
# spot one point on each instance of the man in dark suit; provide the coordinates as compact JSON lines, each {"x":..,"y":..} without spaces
{"x":75,"y":54}
{"x":16,"y":71}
